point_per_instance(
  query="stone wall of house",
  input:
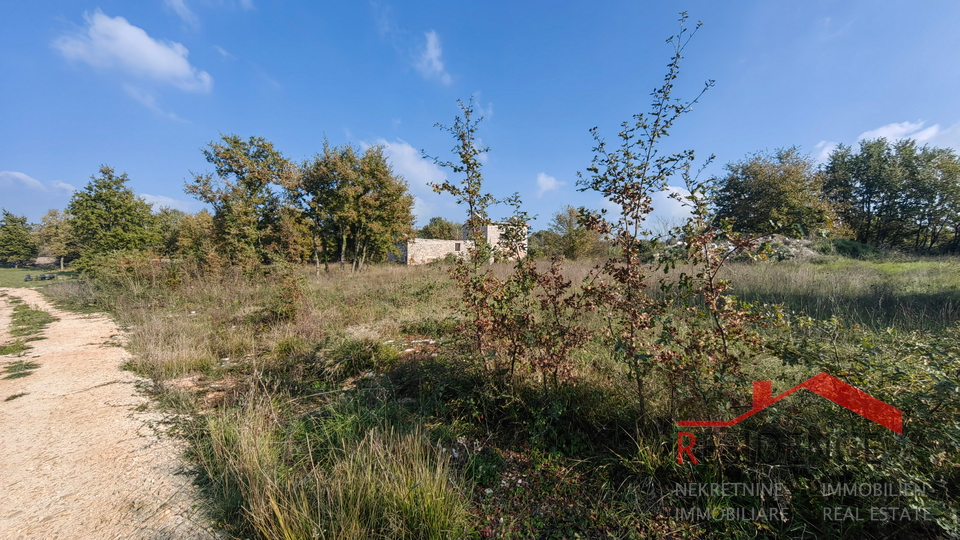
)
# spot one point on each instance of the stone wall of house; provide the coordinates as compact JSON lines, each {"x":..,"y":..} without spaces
{"x":493,"y":233}
{"x":423,"y":251}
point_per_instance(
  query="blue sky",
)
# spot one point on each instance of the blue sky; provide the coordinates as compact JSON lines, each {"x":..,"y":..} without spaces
{"x":142,"y":86}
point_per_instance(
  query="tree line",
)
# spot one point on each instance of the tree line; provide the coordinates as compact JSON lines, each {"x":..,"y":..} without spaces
{"x":344,"y":206}
{"x":898,"y":195}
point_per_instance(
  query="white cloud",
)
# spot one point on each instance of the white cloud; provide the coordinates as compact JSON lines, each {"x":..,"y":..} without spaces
{"x":546,"y":183}
{"x":149,"y":101}
{"x":114,"y":43}
{"x":949,"y":138}
{"x":933,"y":135}
{"x":161,"y":201}
{"x":419,"y":174}
{"x":223,"y":52}
{"x":667,"y":207}
{"x":825,"y":149}
{"x":385,"y":25}
{"x":10,"y":178}
{"x":246,"y":4}
{"x":62,"y":186}
{"x":407,"y":161}
{"x":902,"y":130}
{"x":430,"y":63}
{"x":180,"y":8}
{"x":485,"y":112}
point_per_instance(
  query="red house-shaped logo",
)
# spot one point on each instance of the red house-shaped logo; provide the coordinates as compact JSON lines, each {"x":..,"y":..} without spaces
{"x":825,"y":386}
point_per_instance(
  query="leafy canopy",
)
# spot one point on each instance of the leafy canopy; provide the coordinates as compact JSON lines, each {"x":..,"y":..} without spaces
{"x":441,"y":229}
{"x":241,"y":192}
{"x":107,"y":216}
{"x":16,"y":243}
{"x":772,"y":193}
{"x":357,"y":207}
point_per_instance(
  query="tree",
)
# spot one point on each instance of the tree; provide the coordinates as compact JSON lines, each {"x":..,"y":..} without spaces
{"x":358,"y":208}
{"x":325,"y":189}
{"x":196,"y":239}
{"x":543,"y":245}
{"x":863,"y":187}
{"x":441,"y":229}
{"x":896,"y":194}
{"x":16,"y":243}
{"x":571,"y":238}
{"x":54,"y":236}
{"x":169,"y":224}
{"x":245,"y":207}
{"x":470,"y":189}
{"x":384,"y":209}
{"x":107,"y":215}
{"x":773,"y":193}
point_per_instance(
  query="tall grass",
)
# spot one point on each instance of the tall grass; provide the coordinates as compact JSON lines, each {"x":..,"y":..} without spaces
{"x":917,"y":295}
{"x":326,"y":409}
{"x":382,"y":484}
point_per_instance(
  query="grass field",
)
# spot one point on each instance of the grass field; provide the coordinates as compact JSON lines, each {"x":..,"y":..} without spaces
{"x":352,"y":406}
{"x":14,"y":277}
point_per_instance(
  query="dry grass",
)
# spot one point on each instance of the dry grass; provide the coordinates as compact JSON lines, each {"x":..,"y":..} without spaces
{"x":385,"y":485}
{"x":317,"y":426}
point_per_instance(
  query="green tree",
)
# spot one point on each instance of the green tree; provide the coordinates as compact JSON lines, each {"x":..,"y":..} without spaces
{"x":896,"y":194}
{"x":358,"y":208}
{"x":470,"y":189}
{"x":773,"y":193}
{"x":571,"y":238}
{"x":543,"y":245}
{"x":107,"y":216}
{"x":16,"y":243}
{"x":196,"y":239}
{"x":325,"y":190}
{"x":54,"y":236}
{"x":441,"y":229}
{"x":169,"y":224}
{"x":931,"y":194}
{"x":384,"y":209}
{"x":863,"y":187}
{"x":241,"y":192}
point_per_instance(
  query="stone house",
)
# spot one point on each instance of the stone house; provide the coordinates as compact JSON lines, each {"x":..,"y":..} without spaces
{"x":425,"y":251}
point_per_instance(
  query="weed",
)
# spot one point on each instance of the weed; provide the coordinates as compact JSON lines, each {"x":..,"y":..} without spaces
{"x":19,"y":369}
{"x":28,"y":321}
{"x":15,"y":396}
{"x":14,"y":347}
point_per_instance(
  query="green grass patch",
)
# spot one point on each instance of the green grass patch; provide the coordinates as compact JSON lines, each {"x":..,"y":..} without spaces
{"x":921,"y":294}
{"x":13,"y":347}
{"x":15,"y":277}
{"x":19,"y":369}
{"x":15,"y":396}
{"x":28,"y":321}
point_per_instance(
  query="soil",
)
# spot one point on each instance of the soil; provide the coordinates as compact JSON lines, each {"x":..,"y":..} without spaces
{"x":83,"y":453}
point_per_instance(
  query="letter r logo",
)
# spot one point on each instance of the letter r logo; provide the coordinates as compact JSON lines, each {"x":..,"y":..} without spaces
{"x":688,"y":448}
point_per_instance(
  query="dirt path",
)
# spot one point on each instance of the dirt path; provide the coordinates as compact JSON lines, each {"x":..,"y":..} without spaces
{"x":80,"y":456}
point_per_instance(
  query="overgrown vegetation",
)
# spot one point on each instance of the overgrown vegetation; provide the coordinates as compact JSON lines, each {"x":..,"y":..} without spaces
{"x":536,"y":399}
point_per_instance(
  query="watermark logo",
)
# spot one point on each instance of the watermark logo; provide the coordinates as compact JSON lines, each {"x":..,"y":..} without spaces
{"x":824,"y":385}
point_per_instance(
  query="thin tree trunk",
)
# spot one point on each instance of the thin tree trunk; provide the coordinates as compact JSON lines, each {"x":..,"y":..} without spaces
{"x":363,"y":255}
